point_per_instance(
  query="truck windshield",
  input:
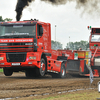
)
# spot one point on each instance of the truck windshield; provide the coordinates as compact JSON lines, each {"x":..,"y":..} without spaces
{"x":95,"y":38}
{"x":17,"y":30}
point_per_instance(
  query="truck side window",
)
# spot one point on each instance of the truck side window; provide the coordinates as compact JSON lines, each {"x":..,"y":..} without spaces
{"x":39,"y":30}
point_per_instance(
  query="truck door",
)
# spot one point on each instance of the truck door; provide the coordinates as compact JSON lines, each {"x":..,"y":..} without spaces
{"x":40,"y":37}
{"x":43,"y":37}
{"x":47,"y":38}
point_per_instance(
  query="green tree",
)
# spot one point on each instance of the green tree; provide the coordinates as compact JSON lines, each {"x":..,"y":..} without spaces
{"x":1,"y":19}
{"x":6,"y":19}
{"x":84,"y":45}
{"x":56,"y":45}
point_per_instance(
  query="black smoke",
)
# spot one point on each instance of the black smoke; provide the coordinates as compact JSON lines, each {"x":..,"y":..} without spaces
{"x":21,"y":4}
{"x":56,"y":2}
{"x":88,"y":6}
{"x":91,"y":7}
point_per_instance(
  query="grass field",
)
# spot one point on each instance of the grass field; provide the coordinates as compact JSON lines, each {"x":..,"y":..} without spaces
{"x":80,"y":95}
{"x":1,"y":70}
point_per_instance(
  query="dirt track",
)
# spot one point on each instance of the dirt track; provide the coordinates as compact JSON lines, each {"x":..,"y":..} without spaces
{"x":18,"y":85}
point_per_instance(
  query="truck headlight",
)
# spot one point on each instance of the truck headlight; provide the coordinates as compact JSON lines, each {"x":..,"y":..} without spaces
{"x":32,"y":58}
{"x":1,"y":58}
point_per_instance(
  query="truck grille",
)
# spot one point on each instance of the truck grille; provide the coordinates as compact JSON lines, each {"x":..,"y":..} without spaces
{"x":16,"y":57}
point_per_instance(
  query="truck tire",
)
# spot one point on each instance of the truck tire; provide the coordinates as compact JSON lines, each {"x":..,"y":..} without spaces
{"x":7,"y":72}
{"x":41,"y":71}
{"x":61,"y":74}
{"x":29,"y":73}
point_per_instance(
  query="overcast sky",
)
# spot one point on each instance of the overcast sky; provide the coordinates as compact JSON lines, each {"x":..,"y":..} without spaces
{"x":71,"y":22}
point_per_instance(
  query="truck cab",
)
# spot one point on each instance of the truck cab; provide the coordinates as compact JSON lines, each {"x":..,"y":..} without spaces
{"x":23,"y":44}
{"x":94,"y":45}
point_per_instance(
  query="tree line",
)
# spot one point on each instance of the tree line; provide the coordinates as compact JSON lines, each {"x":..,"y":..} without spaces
{"x":84,"y":45}
{"x":4,"y":20}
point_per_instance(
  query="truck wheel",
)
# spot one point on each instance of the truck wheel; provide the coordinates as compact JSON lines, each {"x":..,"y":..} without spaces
{"x":7,"y":72}
{"x":43,"y":67}
{"x":62,"y":73}
{"x":41,"y":71}
{"x":29,"y":73}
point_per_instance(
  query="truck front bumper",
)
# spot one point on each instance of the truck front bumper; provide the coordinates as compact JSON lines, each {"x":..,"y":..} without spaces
{"x":20,"y":64}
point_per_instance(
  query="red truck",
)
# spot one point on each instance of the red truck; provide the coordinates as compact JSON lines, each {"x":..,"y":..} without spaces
{"x":94,"y":45}
{"x":26,"y":46}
